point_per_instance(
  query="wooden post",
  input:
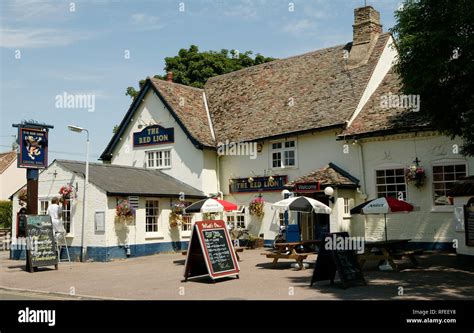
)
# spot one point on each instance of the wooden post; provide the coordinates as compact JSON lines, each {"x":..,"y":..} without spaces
{"x":32,"y":203}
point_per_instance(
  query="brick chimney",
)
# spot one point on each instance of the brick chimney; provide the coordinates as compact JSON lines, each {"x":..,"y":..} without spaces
{"x":169,"y":76}
{"x":366,"y":30}
{"x":366,"y":26}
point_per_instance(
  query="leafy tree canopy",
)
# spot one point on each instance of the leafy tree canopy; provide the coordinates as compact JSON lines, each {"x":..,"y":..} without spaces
{"x":192,"y":67}
{"x":435,"y":41}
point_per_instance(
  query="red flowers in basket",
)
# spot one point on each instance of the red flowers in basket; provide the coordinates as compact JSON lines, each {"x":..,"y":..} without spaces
{"x":67,"y":192}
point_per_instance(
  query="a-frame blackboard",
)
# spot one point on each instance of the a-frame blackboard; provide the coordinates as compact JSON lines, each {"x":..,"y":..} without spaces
{"x":345,"y":262}
{"x":41,"y":244}
{"x":210,"y":252}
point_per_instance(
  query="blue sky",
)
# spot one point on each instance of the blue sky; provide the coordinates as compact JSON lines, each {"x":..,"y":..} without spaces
{"x":81,"y":51}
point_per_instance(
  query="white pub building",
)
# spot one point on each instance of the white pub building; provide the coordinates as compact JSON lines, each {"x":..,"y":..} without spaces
{"x":329,"y":118}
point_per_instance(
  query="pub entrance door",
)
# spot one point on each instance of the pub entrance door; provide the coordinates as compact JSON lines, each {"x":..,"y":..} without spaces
{"x":320,"y":221}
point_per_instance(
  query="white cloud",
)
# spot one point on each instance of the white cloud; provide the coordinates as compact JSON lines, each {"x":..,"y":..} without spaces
{"x":300,"y":27}
{"x":142,"y":21}
{"x":32,"y":9}
{"x":42,"y":37}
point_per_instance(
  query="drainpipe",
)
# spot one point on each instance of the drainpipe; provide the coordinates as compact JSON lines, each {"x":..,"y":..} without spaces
{"x":362,"y":167}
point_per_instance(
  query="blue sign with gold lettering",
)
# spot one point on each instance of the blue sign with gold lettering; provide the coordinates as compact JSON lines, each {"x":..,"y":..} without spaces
{"x":153,"y":135}
{"x":264,"y":184}
{"x":33,"y":152}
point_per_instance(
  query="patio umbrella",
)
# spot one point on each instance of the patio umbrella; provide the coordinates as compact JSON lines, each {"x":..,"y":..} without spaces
{"x":383,"y":205}
{"x":210,"y":205}
{"x":302,"y":204}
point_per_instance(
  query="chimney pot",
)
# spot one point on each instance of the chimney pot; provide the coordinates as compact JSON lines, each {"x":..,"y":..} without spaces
{"x":169,"y":76}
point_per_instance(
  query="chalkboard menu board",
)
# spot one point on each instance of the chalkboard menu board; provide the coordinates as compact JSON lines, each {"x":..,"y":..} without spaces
{"x":210,"y":251}
{"x":41,"y":249}
{"x":469,"y":224}
{"x":345,"y":262}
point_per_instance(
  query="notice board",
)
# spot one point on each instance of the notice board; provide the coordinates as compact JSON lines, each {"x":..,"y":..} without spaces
{"x":211,"y":251}
{"x":41,"y":245}
{"x":469,"y":224}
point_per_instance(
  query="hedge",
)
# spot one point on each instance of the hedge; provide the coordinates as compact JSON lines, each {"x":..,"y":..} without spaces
{"x":5,"y":214}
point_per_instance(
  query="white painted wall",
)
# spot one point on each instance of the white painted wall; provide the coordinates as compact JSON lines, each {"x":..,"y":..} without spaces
{"x":192,"y":166}
{"x":49,"y":183}
{"x":430,"y":223}
{"x":11,"y":180}
{"x":314,"y":151}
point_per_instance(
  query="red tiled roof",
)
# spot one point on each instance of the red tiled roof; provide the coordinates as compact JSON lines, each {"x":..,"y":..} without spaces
{"x":6,"y":159}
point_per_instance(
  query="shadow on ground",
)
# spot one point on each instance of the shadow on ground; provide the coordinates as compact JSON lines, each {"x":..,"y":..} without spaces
{"x":439,"y":276}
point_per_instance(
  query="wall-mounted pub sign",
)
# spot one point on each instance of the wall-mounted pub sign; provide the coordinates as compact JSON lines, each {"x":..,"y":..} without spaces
{"x":275,"y":183}
{"x":307,"y":187}
{"x":33,"y":151}
{"x":153,"y":135}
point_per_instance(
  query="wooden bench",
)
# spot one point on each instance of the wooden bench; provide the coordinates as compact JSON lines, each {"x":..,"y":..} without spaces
{"x":299,"y":257}
{"x":236,"y":249}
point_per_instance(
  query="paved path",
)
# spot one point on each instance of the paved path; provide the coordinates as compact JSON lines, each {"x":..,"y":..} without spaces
{"x":160,"y":277}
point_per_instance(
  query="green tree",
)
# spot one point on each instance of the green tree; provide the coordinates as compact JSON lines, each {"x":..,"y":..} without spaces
{"x":435,"y":41}
{"x":193,"y":68}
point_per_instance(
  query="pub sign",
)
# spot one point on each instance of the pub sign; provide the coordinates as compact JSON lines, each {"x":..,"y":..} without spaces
{"x":153,"y":135}
{"x":258,"y":184}
{"x":33,"y":150}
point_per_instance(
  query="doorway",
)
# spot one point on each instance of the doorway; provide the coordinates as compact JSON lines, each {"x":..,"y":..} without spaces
{"x":320,"y":221}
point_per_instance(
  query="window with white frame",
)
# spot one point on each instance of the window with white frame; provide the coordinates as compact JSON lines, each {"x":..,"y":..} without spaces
{"x":151,"y":215}
{"x":283,"y":154}
{"x":187,"y":222}
{"x":444,"y":177}
{"x":43,"y":207}
{"x":159,"y":159}
{"x":391,"y":183}
{"x":66,"y":215}
{"x":236,"y":220}
{"x":347,"y":207}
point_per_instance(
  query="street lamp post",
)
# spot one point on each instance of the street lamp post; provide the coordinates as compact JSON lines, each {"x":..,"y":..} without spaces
{"x":86,"y":183}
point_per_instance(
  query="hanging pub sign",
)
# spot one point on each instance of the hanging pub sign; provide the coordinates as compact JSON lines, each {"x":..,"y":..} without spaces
{"x":33,"y":150}
{"x":153,"y":135}
{"x":210,"y":252}
{"x":257,"y":184}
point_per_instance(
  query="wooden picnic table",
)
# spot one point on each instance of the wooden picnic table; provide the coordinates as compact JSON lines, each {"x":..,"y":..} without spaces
{"x":388,"y":250}
{"x":288,"y":251}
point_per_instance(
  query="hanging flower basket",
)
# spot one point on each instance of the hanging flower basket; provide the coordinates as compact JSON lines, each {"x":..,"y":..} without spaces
{"x":67,"y":192}
{"x":23,"y":197}
{"x":123,"y":212}
{"x":256,"y":207}
{"x":176,"y":215}
{"x":415,"y":175}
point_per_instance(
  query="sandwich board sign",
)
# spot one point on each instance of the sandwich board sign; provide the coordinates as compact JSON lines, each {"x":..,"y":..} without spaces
{"x":41,"y":250}
{"x":344,"y":262}
{"x":210,"y":252}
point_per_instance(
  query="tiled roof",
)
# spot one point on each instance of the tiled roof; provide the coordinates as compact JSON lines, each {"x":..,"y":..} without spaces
{"x":188,"y":104}
{"x":375,"y":117}
{"x":124,"y":180}
{"x":256,"y":102}
{"x":6,"y":159}
{"x":330,"y":175}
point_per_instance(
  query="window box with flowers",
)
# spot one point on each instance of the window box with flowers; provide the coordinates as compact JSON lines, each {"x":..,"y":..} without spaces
{"x":256,"y":207}
{"x":123,"y":212}
{"x":415,"y":175}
